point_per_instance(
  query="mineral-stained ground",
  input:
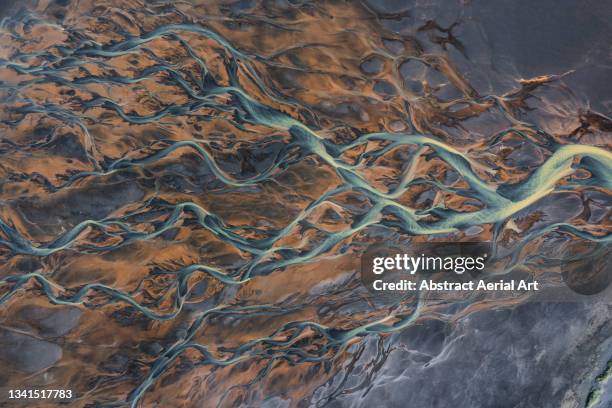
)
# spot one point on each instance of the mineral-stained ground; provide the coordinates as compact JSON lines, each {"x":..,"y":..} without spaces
{"x":187,"y":187}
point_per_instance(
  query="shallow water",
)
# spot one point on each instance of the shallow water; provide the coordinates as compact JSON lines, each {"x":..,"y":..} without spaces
{"x":186,"y":190}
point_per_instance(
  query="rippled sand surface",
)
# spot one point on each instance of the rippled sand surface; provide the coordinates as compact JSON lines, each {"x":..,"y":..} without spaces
{"x":186,"y":189}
